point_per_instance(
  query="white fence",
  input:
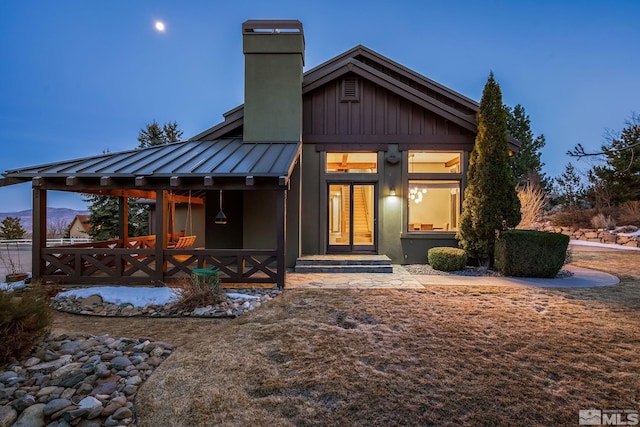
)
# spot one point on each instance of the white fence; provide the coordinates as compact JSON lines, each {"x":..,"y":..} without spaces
{"x":50,"y":242}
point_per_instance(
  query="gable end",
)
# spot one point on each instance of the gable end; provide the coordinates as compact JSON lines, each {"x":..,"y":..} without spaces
{"x":350,"y":89}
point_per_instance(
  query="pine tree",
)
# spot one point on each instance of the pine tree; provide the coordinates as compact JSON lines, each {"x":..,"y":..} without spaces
{"x":569,"y":187}
{"x":171,"y":132}
{"x":104,"y":211}
{"x":490,"y":199}
{"x":11,"y":229}
{"x":619,"y":176}
{"x":526,"y":164}
{"x":154,"y":135}
{"x":104,"y":214}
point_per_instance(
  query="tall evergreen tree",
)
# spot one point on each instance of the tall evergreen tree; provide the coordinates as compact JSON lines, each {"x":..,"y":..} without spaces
{"x":619,"y":176}
{"x":153,"y":134}
{"x":104,"y":211}
{"x":569,"y":187}
{"x":526,"y":164}
{"x":10,"y":229}
{"x":104,"y":214}
{"x":490,"y":199}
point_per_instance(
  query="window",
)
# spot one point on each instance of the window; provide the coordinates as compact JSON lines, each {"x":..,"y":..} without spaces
{"x":352,"y":162}
{"x":434,"y":162}
{"x":433,"y":205}
{"x":433,"y":190}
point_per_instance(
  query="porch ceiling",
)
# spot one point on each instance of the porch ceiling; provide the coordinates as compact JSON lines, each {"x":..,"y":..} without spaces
{"x":222,"y":163}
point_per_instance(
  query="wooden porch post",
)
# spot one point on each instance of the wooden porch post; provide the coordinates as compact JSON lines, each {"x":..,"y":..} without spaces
{"x":172,"y":220}
{"x":123,"y":228}
{"x":123,"y":220}
{"x":282,"y":238}
{"x":39,"y":234}
{"x":161,"y":235}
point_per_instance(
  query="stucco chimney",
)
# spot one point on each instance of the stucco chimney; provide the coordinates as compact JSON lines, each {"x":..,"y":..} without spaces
{"x":273,"y":61}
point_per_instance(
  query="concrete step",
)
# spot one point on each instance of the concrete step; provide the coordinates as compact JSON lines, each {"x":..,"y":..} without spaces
{"x":343,"y":268}
{"x":344,"y":264}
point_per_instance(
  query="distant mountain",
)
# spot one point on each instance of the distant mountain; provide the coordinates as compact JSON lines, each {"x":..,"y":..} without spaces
{"x":54,"y":216}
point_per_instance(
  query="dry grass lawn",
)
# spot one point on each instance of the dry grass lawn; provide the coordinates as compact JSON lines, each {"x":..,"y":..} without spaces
{"x":439,"y":356}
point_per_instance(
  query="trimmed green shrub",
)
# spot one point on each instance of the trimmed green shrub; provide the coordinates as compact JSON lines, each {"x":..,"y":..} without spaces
{"x":25,"y":317}
{"x":447,"y":259}
{"x":529,"y":253}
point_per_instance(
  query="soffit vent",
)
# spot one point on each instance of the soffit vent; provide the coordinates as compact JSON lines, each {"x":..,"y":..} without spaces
{"x":350,"y":90}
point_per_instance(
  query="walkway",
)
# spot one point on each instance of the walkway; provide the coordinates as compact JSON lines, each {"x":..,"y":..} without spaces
{"x":401,"y":279}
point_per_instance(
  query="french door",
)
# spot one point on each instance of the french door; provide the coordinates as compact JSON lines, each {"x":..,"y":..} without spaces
{"x":352,"y":217}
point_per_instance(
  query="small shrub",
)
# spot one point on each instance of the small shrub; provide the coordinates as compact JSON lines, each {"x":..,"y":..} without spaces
{"x":575,"y":218}
{"x":603,"y":222}
{"x":25,"y":317}
{"x":630,"y":213}
{"x":532,"y":201}
{"x":197,"y":293}
{"x":529,"y":253}
{"x":10,"y":261}
{"x":447,"y":259}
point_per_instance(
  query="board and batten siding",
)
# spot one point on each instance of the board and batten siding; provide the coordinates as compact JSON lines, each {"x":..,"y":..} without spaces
{"x":378,"y":116}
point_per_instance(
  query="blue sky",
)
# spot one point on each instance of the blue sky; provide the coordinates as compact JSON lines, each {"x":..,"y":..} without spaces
{"x":78,"y":77}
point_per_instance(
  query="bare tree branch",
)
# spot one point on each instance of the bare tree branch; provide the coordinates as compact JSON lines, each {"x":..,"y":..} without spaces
{"x":580,"y":152}
{"x":614,"y":142}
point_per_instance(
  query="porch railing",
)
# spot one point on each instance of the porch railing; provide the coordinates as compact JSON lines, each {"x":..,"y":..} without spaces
{"x":110,"y":262}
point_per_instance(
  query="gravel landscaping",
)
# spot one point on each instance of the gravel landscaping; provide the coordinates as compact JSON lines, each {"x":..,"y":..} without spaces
{"x":85,"y":379}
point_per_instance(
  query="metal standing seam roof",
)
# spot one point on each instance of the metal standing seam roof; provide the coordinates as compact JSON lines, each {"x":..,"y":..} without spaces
{"x":230,"y":158}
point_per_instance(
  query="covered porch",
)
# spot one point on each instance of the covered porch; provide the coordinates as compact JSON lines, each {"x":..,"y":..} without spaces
{"x":258,"y":176}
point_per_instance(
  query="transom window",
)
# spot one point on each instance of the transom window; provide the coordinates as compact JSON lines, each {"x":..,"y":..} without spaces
{"x":433,"y":205}
{"x":434,"y":162}
{"x":352,"y":162}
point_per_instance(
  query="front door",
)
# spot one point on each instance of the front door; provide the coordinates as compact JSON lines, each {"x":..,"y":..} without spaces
{"x":352,"y":217}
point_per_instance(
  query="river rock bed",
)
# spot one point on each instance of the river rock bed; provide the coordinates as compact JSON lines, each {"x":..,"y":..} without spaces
{"x":238,"y":301}
{"x":83,"y":380}
{"x":426,"y":269}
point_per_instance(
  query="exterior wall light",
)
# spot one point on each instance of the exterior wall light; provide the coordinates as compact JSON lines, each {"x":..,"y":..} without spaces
{"x":392,"y":191}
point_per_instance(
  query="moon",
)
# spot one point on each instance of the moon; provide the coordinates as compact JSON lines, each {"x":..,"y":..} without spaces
{"x":159,"y":26}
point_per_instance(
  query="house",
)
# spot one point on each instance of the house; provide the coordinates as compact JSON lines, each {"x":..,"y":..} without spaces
{"x":79,"y":227}
{"x":357,"y":155}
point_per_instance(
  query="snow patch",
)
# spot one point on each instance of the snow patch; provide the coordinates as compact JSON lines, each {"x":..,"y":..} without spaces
{"x":13,"y":285}
{"x":602,"y":245}
{"x":136,"y":296}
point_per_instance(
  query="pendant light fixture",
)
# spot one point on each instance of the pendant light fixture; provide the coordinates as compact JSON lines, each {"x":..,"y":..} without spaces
{"x":416,"y":194}
{"x":221,"y":218}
